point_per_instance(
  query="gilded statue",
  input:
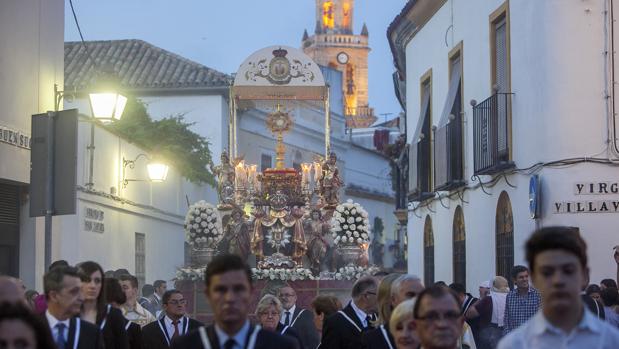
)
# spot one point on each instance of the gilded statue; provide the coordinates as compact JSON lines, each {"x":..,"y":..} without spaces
{"x":317,"y":235}
{"x":225,"y":180}
{"x":329,"y":183}
{"x":237,"y":235}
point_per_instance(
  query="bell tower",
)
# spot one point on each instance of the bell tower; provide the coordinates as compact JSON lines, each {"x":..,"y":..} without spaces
{"x":334,"y":45}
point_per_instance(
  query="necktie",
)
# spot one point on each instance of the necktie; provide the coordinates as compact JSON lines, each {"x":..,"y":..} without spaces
{"x":230,"y":343}
{"x":368,"y":322}
{"x":287,"y":319}
{"x":61,"y":343}
{"x":175,"y":324}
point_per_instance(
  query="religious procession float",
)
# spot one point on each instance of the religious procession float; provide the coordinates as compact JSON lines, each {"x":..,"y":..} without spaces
{"x":289,"y":225}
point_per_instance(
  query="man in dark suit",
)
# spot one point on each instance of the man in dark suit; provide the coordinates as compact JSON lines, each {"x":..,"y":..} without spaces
{"x":64,"y":300}
{"x":299,"y":319}
{"x":467,"y":300}
{"x":159,"y":334}
{"x":228,"y":290}
{"x":405,"y":287}
{"x":344,"y":329}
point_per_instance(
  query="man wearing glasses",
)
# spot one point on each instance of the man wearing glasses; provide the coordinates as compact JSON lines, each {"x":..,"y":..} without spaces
{"x":344,"y":328}
{"x":301,"y":320}
{"x":159,"y":334}
{"x":437,"y":318}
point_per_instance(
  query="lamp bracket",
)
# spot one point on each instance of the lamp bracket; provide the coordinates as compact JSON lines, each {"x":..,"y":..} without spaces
{"x":131,"y":165}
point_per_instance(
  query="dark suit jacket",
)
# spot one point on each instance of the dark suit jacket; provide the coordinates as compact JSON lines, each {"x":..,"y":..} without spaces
{"x":134,"y":332}
{"x":374,"y":339}
{"x":469,"y":301}
{"x":153,"y":337}
{"x":339,"y":333}
{"x":114,"y":334}
{"x":595,"y":307}
{"x":265,"y":340}
{"x":89,"y":335}
{"x":290,"y":332}
{"x":302,"y":321}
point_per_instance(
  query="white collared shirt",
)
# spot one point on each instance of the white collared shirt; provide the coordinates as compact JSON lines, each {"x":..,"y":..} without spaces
{"x":170,"y":327}
{"x":362,"y":315}
{"x":590,"y":333}
{"x":239,"y":337}
{"x":282,"y":319}
{"x":52,"y":325}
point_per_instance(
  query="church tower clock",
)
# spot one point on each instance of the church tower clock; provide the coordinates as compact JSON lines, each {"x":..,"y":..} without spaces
{"x":334,"y":45}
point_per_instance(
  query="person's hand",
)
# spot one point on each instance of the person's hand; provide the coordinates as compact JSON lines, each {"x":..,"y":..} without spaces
{"x":616,"y":248}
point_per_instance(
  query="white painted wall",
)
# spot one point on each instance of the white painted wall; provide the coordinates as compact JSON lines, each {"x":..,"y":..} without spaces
{"x":31,"y":42}
{"x":155,"y":209}
{"x":558,"y":112}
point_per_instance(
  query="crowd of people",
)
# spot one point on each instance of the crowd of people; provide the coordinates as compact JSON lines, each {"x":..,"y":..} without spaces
{"x":84,"y":307}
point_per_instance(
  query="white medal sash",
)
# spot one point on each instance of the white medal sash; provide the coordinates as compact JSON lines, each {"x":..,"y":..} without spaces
{"x":382,"y":329}
{"x":350,"y":320}
{"x":76,"y":336}
{"x":105,"y":318}
{"x":296,"y":318}
{"x":163,"y":330}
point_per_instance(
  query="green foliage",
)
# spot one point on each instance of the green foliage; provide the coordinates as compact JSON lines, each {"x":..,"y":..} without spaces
{"x":169,"y":139}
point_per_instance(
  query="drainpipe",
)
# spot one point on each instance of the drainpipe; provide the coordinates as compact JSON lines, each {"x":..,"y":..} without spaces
{"x":610,"y":82}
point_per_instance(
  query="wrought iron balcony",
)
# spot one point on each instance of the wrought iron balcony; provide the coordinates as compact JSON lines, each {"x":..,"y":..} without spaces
{"x":492,"y":134}
{"x":420,"y":183}
{"x":448,"y":170}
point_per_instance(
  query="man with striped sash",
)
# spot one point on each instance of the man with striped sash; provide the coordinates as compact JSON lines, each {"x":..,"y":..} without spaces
{"x":228,"y":289}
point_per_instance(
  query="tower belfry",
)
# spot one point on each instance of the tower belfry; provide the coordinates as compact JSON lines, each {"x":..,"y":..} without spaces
{"x":334,"y":45}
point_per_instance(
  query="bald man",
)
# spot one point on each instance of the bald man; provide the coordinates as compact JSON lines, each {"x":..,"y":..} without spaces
{"x":10,"y":290}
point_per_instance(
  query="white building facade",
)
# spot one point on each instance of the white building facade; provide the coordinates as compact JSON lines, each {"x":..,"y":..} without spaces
{"x":497,"y":93}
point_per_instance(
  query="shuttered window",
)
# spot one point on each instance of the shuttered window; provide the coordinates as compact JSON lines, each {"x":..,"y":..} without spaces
{"x":504,"y":236}
{"x":420,"y":148}
{"x":9,"y":230}
{"x":428,"y":252}
{"x":140,"y":258}
{"x":459,"y":247}
{"x":501,"y":76}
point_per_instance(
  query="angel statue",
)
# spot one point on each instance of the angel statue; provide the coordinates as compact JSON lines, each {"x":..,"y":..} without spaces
{"x":317,"y":234}
{"x":330,"y":182}
{"x":237,"y":235}
{"x":225,"y":179}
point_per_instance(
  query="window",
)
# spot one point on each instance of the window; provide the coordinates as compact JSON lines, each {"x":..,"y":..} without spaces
{"x":459,"y":247}
{"x":266,"y":162}
{"x":420,"y":156}
{"x":501,"y":79}
{"x":448,"y":139}
{"x":428,"y":252}
{"x":504,"y":236}
{"x":140,"y":258}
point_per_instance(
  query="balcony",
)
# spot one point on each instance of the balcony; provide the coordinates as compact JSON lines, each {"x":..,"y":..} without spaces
{"x":492,"y":134}
{"x":448,"y":170}
{"x":420,"y":179}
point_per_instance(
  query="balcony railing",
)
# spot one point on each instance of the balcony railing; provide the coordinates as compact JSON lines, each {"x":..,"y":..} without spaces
{"x":420,"y":171}
{"x":448,"y":173}
{"x":492,"y":134}
{"x":360,"y":111}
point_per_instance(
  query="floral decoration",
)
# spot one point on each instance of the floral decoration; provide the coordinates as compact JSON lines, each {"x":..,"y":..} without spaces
{"x":203,"y":225}
{"x":350,"y":224}
{"x":283,"y":274}
{"x":351,"y":273}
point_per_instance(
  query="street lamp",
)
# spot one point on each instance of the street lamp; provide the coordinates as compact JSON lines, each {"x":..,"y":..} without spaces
{"x":106,"y":103}
{"x":157,"y":171}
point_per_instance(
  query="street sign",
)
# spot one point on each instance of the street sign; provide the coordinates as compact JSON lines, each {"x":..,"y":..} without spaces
{"x":61,"y":129}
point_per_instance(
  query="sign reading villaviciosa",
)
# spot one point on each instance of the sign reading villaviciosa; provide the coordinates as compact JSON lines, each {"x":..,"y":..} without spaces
{"x":591,"y":206}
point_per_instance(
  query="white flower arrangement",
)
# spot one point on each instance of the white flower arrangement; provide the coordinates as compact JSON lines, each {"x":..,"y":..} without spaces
{"x":354,"y":272}
{"x":350,"y":224}
{"x":203,"y":225}
{"x":346,"y":273}
{"x":190,"y":274}
{"x":283,"y":274}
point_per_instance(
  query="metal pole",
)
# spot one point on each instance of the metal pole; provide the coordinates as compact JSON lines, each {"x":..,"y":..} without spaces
{"x":230,"y":126}
{"x":235,"y":129}
{"x":327,"y":125}
{"x":91,"y":151}
{"x":49,"y":188}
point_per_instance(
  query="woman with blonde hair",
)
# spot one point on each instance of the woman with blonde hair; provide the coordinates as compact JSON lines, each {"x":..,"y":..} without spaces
{"x":402,"y":327}
{"x":268,"y":312}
